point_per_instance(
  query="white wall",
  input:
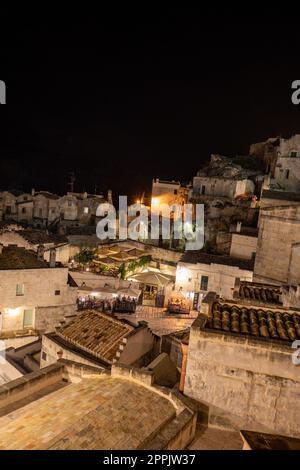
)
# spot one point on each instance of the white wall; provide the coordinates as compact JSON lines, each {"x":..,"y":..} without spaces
{"x":221,"y":278}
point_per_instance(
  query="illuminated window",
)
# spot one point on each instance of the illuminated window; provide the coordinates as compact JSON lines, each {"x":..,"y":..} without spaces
{"x":204,"y":283}
{"x":20,"y":289}
{"x":28,"y":318}
{"x":86,"y":210}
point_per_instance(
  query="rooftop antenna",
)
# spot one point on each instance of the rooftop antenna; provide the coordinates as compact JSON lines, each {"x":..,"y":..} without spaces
{"x":71,"y":181}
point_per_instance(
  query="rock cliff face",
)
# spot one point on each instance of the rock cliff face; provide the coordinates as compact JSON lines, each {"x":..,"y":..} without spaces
{"x":234,"y":168}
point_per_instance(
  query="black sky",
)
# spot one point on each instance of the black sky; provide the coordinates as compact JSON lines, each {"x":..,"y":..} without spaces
{"x":121,"y":96}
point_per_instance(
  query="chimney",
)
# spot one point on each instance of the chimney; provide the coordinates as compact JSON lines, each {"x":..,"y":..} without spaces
{"x":52,"y":260}
{"x":32,"y":192}
{"x":109,"y":196}
{"x":238,"y":226}
{"x":1,"y":248}
{"x":40,"y":252}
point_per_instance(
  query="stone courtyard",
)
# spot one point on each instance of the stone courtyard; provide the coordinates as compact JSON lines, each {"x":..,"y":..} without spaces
{"x":160,"y":322}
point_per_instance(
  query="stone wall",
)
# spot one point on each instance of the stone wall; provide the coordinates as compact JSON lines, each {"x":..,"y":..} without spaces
{"x":46,"y":293}
{"x":52,"y":351}
{"x":221,"y":278}
{"x":243,"y":246}
{"x":47,"y":318}
{"x":246,"y":383}
{"x":278,"y":248}
{"x":30,"y":383}
{"x":221,"y":187}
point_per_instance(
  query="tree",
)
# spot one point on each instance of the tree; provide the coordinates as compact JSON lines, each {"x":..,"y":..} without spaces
{"x":85,"y":256}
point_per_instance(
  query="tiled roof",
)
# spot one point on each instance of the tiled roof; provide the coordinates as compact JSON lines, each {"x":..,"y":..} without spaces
{"x":39,"y":236}
{"x":260,"y":293}
{"x":96,"y":333}
{"x":254,"y":321}
{"x":14,"y":257}
{"x":195,"y":257}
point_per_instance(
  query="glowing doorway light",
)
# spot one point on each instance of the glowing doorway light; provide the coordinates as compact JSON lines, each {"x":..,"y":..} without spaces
{"x":182,"y":274}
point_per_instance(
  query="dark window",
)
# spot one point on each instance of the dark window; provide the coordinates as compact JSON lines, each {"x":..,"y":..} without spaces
{"x":203,"y":189}
{"x":175,"y":191}
{"x":294,"y":154}
{"x":204,"y":283}
{"x":57,"y":292}
{"x":287,"y":174}
{"x":8,"y":210}
{"x":23,"y":210}
{"x":40,"y":212}
{"x":44,"y":356}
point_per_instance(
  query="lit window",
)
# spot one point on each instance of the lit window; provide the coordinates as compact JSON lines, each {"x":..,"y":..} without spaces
{"x":204,"y":283}
{"x":28,"y":318}
{"x":86,"y":210}
{"x":20,"y":289}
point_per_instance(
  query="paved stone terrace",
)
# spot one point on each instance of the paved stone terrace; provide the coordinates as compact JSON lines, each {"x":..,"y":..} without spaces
{"x":160,"y":322}
{"x":97,"y":413}
{"x":216,"y":439}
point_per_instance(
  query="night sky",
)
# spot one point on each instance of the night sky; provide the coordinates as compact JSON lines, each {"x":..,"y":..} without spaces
{"x":122,"y":96}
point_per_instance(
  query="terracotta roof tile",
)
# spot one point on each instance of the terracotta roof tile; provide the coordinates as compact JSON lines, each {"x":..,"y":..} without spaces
{"x":256,"y":322}
{"x":260,"y":293}
{"x":97,"y":333}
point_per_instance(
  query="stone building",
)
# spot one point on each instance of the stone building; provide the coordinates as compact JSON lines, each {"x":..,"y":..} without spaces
{"x":244,"y":242}
{"x":168,"y":192}
{"x":287,"y":169}
{"x":34,"y":295}
{"x":24,"y":204}
{"x":267,"y":153}
{"x":197,"y":273}
{"x":8,"y":205}
{"x":100,"y":340}
{"x":69,"y":406}
{"x":31,"y":239}
{"x":222,"y":177}
{"x":239,"y":364}
{"x":42,"y":209}
{"x":45,"y":208}
{"x":278,"y":249}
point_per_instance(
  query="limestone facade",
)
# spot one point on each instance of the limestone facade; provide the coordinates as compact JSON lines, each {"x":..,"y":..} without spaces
{"x":42,"y":297}
{"x":247,"y":383}
{"x":278,"y":249}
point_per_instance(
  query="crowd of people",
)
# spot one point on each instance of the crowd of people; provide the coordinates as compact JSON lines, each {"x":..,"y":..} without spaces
{"x":121,"y":304}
